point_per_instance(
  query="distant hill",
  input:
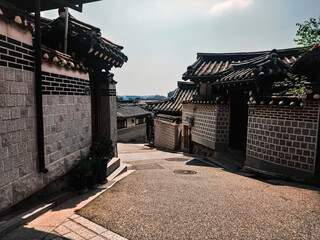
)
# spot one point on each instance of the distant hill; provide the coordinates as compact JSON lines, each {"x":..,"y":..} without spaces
{"x":155,"y":97}
{"x":170,"y":94}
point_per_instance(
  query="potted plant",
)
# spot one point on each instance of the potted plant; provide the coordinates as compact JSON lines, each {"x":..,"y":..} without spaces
{"x":102,"y":149}
{"x":95,"y":168}
{"x":81,"y":172}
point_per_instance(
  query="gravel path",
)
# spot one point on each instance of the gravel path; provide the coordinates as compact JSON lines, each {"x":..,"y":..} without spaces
{"x":156,"y":203}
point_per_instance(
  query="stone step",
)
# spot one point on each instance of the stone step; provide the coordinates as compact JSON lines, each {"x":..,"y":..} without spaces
{"x":113,"y":164}
{"x":121,"y":169}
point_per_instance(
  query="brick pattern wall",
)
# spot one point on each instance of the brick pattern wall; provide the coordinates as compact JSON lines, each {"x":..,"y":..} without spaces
{"x":15,"y":54}
{"x":137,"y":133}
{"x":67,"y":121}
{"x":18,"y":55}
{"x":211,"y":122}
{"x":165,"y":135}
{"x":17,"y":130}
{"x":284,"y":136}
{"x":67,"y":125}
{"x":222,"y":124}
{"x":54,"y":84}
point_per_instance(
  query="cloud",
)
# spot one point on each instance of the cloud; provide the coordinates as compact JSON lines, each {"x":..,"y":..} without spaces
{"x":229,"y":5}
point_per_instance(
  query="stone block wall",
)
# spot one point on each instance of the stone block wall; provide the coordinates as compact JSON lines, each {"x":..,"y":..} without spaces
{"x":136,"y":134}
{"x":67,"y":125}
{"x":67,"y":119}
{"x":283,"y":136}
{"x":211,"y":124}
{"x":166,"y":135}
{"x":18,"y":152}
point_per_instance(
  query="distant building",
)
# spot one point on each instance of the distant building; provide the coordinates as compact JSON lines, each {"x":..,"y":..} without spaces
{"x":132,"y":123}
{"x":167,"y":118}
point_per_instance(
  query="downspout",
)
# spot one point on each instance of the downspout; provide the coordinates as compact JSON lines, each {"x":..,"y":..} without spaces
{"x":190,"y":140}
{"x":66,"y":19}
{"x":38,"y":83}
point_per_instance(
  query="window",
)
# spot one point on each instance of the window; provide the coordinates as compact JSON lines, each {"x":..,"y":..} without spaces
{"x":140,"y":120}
{"x":121,"y":124}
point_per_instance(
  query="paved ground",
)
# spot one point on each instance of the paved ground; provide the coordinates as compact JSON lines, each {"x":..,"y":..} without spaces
{"x":156,"y":203}
{"x":62,"y":222}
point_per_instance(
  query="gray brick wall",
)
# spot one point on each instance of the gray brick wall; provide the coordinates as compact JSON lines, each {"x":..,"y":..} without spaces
{"x":165,"y":135}
{"x":211,"y":123}
{"x":67,"y":121}
{"x":17,"y":130}
{"x":67,"y":125}
{"x":284,"y":136}
{"x":136,"y":133}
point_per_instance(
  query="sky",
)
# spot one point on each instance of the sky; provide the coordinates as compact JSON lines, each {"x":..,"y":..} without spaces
{"x":162,"y":37}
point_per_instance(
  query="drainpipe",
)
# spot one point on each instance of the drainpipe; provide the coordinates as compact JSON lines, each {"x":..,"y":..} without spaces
{"x":190,"y":140}
{"x":38,"y":83}
{"x":66,"y":19}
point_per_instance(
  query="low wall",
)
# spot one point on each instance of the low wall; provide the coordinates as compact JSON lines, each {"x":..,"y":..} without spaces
{"x":211,"y":124}
{"x":283,"y":139}
{"x":166,"y":135}
{"x":134,"y":134}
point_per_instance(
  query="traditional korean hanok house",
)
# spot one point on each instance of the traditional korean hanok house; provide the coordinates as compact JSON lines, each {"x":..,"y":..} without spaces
{"x":240,"y":109}
{"x":309,"y":66}
{"x":167,"y":118}
{"x":52,"y":100}
{"x":132,"y":123}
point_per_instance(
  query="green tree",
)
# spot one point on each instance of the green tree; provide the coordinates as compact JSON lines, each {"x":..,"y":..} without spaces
{"x":119,"y":99}
{"x":308,"y":33}
{"x":292,"y":84}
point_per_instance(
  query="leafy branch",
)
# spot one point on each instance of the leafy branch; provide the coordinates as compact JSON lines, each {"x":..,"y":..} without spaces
{"x":292,"y":84}
{"x":308,"y":33}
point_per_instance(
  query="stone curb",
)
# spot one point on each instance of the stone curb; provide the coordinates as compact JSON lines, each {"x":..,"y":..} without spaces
{"x":33,"y":213}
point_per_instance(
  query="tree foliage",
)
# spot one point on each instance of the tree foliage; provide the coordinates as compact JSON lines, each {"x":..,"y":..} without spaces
{"x":292,"y":84}
{"x":119,"y":99}
{"x":308,"y":33}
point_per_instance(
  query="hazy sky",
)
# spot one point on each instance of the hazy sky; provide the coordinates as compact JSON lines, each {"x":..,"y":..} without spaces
{"x":161,"y":37}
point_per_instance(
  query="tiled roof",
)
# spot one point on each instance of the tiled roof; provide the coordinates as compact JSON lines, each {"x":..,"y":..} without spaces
{"x":184,"y":92}
{"x":62,"y":59}
{"x":12,"y":14}
{"x":169,"y":118}
{"x":88,"y":39}
{"x":98,"y":42}
{"x":232,"y":67}
{"x":130,"y":111}
{"x":103,"y":51}
{"x":310,"y":59}
{"x":47,"y":4}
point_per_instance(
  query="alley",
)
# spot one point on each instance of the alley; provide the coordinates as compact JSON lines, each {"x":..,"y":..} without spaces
{"x":158,"y":201}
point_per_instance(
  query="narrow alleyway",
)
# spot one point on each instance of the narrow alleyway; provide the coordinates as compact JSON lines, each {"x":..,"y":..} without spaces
{"x":158,"y":201}
{"x":173,"y":196}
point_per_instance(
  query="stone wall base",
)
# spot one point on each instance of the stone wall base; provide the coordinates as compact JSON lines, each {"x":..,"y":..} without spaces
{"x":256,"y":165}
{"x":201,"y":150}
{"x":56,"y":188}
{"x":13,"y":193}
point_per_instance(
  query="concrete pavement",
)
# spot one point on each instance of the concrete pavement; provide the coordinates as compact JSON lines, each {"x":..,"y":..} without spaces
{"x":62,"y":222}
{"x":155,"y":202}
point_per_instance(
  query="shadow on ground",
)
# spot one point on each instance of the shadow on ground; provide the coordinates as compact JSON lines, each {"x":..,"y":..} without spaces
{"x":24,"y":233}
{"x":263,"y":178}
{"x":80,"y":197}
